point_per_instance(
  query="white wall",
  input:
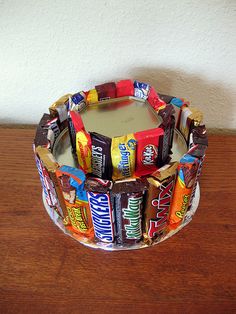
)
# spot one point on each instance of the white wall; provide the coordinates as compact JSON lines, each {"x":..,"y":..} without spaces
{"x":182,"y":47}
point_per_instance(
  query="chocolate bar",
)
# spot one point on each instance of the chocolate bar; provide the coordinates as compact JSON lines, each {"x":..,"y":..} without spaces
{"x":98,"y":192}
{"x":128,"y":201}
{"x":101,"y":156}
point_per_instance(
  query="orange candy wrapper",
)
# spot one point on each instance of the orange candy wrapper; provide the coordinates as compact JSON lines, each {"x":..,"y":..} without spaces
{"x":187,"y":171}
{"x":71,"y":182}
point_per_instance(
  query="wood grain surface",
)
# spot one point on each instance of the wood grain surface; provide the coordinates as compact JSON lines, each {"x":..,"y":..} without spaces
{"x":44,"y":271}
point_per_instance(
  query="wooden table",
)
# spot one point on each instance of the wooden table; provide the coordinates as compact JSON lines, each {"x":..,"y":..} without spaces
{"x":44,"y":271}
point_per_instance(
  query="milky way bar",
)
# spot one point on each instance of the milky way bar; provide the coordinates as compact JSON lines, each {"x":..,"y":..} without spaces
{"x":128,"y":202}
{"x":158,"y":201}
{"x":101,"y":156}
{"x":98,"y":192}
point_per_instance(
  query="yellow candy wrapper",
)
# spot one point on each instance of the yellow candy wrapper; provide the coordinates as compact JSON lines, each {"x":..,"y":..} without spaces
{"x":83,"y":151}
{"x":123,"y":151}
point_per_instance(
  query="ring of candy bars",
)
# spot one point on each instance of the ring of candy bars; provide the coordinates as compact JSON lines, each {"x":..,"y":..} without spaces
{"x":125,"y":190}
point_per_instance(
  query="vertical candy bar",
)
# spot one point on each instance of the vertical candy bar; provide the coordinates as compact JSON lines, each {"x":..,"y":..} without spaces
{"x":167,"y":140}
{"x":71,"y":181}
{"x":101,"y":156}
{"x":154,"y":100}
{"x":178,"y":103}
{"x":58,"y":109}
{"x":83,"y":151}
{"x":128,"y":199}
{"x":187,"y":171}
{"x":123,"y":150}
{"x":41,"y":136}
{"x":147,"y":151}
{"x":141,"y":90}
{"x":92,"y":96}
{"x":47,"y":167}
{"x":77,"y":102}
{"x":98,"y":192}
{"x":198,"y":141}
{"x":106,"y":91}
{"x":75,"y":124}
{"x":124,"y":88}
{"x":158,"y":201}
{"x":189,"y":118}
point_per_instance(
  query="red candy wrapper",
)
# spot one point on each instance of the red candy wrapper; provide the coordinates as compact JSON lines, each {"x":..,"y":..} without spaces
{"x":154,"y":100}
{"x":106,"y":91}
{"x":124,"y":88}
{"x":147,"y":151}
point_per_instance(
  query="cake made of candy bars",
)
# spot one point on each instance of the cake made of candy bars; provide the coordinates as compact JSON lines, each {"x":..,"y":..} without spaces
{"x":123,"y":189}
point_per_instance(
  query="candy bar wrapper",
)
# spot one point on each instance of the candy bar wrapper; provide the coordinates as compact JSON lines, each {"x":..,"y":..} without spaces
{"x":77,"y":102}
{"x":158,"y":201}
{"x":71,"y":181}
{"x":189,"y":118}
{"x":41,"y":137}
{"x":166,"y":141}
{"x":83,"y":151}
{"x":128,"y":202}
{"x":106,"y":91}
{"x":155,"y":101}
{"x":98,"y":193}
{"x":187,"y":171}
{"x":178,"y":103}
{"x":141,"y":90}
{"x":101,"y":156}
{"x":47,"y":167}
{"x":124,"y":88}
{"x":92,"y":96}
{"x":75,"y":124}
{"x":166,"y":98}
{"x":198,"y":141}
{"x":123,"y":150}
{"x":147,"y":151}
{"x":58,"y":109}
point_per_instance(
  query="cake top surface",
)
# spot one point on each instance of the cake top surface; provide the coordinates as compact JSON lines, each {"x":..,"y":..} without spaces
{"x":116,"y":117}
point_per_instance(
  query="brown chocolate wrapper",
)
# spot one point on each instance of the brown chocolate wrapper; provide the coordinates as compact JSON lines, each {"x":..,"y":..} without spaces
{"x":128,"y":202}
{"x":166,"y":98}
{"x":158,"y":201}
{"x":198,"y":141}
{"x":41,"y":138}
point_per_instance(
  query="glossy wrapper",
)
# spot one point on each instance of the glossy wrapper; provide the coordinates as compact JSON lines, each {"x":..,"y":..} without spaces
{"x":75,"y":124}
{"x":123,"y":150}
{"x":101,"y":156}
{"x":166,"y":98}
{"x":128,"y":201}
{"x":59,"y":109}
{"x":47,"y":167}
{"x":187,"y":171}
{"x":77,"y":102}
{"x":154,"y":100}
{"x":106,"y":91}
{"x":98,"y":192}
{"x":41,"y":136}
{"x":71,"y":183}
{"x":166,"y":141}
{"x":84,"y":151}
{"x":141,"y":90}
{"x":198,"y":141}
{"x":189,"y":117}
{"x":147,"y":150}
{"x":124,"y":88}
{"x":92,"y":96}
{"x":158,"y":201}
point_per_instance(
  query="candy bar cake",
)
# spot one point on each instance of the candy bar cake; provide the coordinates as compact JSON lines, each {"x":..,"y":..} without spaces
{"x":120,"y":164}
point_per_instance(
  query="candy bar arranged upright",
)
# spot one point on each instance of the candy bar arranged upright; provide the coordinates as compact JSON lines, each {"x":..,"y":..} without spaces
{"x":124,"y":190}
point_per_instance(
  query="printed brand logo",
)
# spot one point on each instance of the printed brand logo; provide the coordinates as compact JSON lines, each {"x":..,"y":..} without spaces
{"x":124,"y":164}
{"x":133,"y":215}
{"x":132,"y":144}
{"x":149,"y":155}
{"x":161,"y":205}
{"x":77,"y":218}
{"x":97,"y":160}
{"x":184,"y":206}
{"x":101,"y":214}
{"x":43,"y":182}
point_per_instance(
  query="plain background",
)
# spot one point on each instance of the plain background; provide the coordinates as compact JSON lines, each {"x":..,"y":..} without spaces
{"x":52,"y":47}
